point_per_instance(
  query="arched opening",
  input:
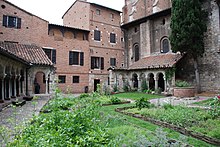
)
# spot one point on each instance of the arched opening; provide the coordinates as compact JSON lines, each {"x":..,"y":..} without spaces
{"x":1,"y":82}
{"x":135,"y":80}
{"x":165,"y":45}
{"x":151,"y":81}
{"x":143,"y":80}
{"x":39,"y":83}
{"x":161,"y":81}
{"x":21,"y":81}
{"x":136,"y":52}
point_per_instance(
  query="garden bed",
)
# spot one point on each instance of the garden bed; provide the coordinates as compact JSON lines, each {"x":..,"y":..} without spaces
{"x":180,"y":129}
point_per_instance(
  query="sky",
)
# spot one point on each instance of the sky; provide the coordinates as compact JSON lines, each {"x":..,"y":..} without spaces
{"x":53,"y":10}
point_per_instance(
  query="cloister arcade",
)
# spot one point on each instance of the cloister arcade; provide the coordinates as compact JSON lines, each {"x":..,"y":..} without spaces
{"x":155,"y":79}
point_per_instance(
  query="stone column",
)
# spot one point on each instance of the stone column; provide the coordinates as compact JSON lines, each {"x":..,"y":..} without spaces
{"x":139,"y":83}
{"x":46,"y":78}
{"x":2,"y":96}
{"x":156,"y":83}
{"x":165,"y":84}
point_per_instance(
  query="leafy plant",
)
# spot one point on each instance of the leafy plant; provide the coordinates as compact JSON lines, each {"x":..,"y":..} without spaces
{"x":215,"y":107}
{"x":180,"y":83}
{"x":126,"y":87}
{"x":115,"y":88}
{"x":84,"y":95}
{"x":115,"y":100}
{"x":142,"y":103}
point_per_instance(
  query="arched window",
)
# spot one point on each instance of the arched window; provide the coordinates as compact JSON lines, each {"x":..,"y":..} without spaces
{"x":165,"y":45}
{"x":136,"y":52}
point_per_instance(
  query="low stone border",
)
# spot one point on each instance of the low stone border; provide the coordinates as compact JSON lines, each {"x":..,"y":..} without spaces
{"x":181,"y":130}
{"x":126,"y":102}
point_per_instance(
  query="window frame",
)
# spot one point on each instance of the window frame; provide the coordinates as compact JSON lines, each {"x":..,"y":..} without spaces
{"x":112,"y":61}
{"x":11,"y":22}
{"x":162,"y":45}
{"x":76,"y":79}
{"x":51,"y":54}
{"x":97,"y":35}
{"x":60,"y":80}
{"x":112,"y":38}
{"x":98,"y":12}
{"x":76,"y":58}
{"x":97,"y":63}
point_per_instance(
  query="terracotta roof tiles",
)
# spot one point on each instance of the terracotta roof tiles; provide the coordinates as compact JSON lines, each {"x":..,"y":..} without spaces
{"x":30,"y":53}
{"x":156,"y":61}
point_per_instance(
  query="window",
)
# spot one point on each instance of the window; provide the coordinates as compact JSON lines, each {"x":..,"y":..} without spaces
{"x":97,"y":63}
{"x":98,"y":12}
{"x":136,"y":52}
{"x":97,"y":35}
{"x":112,"y":38}
{"x":165,"y":47}
{"x":112,"y":61}
{"x":11,"y":22}
{"x":112,"y":16}
{"x":51,"y":54}
{"x":76,"y":58}
{"x":75,"y":79}
{"x":62,"y":79}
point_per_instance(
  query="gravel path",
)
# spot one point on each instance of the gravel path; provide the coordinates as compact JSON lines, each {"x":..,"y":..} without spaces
{"x":13,"y":118}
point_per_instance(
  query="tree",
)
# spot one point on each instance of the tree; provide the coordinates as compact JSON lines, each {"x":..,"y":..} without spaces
{"x":188,"y":25}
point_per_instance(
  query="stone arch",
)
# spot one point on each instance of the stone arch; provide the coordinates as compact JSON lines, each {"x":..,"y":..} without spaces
{"x":135,"y":80}
{"x":164,"y":45}
{"x":68,"y":35}
{"x":161,"y":81}
{"x":151,"y":81}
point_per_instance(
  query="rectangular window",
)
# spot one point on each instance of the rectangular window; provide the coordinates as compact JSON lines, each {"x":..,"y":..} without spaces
{"x":97,"y":35}
{"x":112,"y":16}
{"x":76,"y":58}
{"x":62,"y":79}
{"x":112,"y":38}
{"x":112,"y":61}
{"x":51,"y":54}
{"x":97,"y":63}
{"x":98,"y":12}
{"x":75,"y":79}
{"x":11,"y":22}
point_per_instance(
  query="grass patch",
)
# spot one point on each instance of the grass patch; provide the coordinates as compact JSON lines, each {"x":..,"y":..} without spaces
{"x":204,"y":103}
{"x":137,"y":95}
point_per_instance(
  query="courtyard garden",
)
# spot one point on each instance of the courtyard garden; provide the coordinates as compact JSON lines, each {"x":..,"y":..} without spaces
{"x":91,"y":120}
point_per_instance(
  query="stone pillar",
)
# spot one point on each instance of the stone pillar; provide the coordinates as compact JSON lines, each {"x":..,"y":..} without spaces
{"x":165,"y":84}
{"x":46,"y":77}
{"x":139,"y":84}
{"x":156,"y":83}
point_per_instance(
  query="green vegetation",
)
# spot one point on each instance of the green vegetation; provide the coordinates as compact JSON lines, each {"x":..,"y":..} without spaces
{"x":194,"y":119}
{"x":180,"y":83}
{"x":137,"y":95}
{"x":83,"y":121}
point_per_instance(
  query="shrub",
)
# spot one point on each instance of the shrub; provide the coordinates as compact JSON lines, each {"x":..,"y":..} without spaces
{"x":84,"y":95}
{"x":126,"y":87}
{"x":115,"y":100}
{"x":168,"y":106}
{"x":215,"y":107}
{"x":115,"y":88}
{"x":143,"y":103}
{"x":180,"y":83}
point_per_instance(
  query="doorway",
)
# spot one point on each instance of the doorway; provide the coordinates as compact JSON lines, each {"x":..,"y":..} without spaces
{"x":96,"y":83}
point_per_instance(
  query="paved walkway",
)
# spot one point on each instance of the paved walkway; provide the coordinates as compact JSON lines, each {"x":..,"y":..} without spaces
{"x":178,"y":101}
{"x":13,"y":118}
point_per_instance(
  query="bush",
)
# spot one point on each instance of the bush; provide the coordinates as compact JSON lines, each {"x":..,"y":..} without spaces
{"x":115,"y":88}
{"x":126,"y":87}
{"x":180,"y":83}
{"x":84,"y":95}
{"x":143,"y":103}
{"x":115,"y":100}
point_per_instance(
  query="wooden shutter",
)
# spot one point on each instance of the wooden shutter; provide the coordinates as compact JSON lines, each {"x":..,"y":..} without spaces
{"x":18,"y":23}
{"x":102,"y":63}
{"x":81,"y":59}
{"x":70,"y":58}
{"x":54,"y":56}
{"x":5,"y":20}
{"x":92,"y":62}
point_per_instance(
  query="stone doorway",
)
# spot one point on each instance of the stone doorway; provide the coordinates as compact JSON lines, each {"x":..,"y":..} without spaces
{"x":96,"y":83}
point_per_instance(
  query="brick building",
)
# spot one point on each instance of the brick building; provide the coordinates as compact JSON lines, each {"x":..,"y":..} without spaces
{"x":81,"y":50}
{"x":105,"y":38}
{"x":148,"y":54}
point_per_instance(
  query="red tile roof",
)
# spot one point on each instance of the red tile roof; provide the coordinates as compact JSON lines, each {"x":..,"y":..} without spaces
{"x":156,"y":61}
{"x":30,"y":53}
